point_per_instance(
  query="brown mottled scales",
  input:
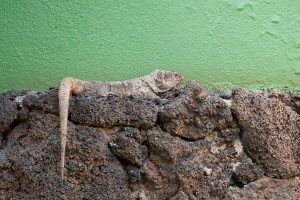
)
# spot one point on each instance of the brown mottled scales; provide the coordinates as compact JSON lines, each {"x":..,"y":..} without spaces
{"x":148,"y":86}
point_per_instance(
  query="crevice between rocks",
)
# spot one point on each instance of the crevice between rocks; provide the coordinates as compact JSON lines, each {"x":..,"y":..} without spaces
{"x":178,"y":163}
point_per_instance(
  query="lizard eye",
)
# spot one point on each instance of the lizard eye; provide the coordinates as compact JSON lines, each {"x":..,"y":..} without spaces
{"x":178,"y":76}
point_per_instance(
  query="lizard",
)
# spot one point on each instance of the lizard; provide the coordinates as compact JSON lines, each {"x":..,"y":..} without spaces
{"x":148,"y":86}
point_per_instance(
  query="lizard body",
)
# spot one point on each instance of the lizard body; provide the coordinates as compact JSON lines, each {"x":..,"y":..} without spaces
{"x":148,"y":86}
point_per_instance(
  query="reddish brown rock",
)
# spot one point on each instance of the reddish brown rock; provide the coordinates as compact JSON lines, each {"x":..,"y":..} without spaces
{"x":109,"y":111}
{"x":189,"y":147}
{"x":124,"y":145}
{"x":271,"y":132}
{"x":182,"y":169}
{"x":290,"y":98}
{"x":33,"y":151}
{"x":195,"y":113}
{"x":46,"y":101}
{"x":8,"y":113}
{"x":246,"y":173}
{"x":267,"y":188}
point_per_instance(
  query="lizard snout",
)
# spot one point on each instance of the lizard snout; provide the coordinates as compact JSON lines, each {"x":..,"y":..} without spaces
{"x":178,"y":77}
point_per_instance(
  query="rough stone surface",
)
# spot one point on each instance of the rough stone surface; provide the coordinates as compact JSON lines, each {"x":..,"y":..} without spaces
{"x":178,"y":169}
{"x":125,"y":146}
{"x":271,"y":132}
{"x":46,"y":101}
{"x":291,"y":98}
{"x":195,"y":113}
{"x":267,"y":188}
{"x":32,"y":163}
{"x":111,"y":110}
{"x":189,"y":147}
{"x":8,"y":113}
{"x":246,"y":173}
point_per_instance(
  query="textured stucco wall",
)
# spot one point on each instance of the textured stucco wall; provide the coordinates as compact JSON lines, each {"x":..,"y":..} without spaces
{"x":219,"y":43}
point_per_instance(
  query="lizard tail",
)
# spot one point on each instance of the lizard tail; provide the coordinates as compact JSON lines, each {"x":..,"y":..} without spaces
{"x":66,"y":86}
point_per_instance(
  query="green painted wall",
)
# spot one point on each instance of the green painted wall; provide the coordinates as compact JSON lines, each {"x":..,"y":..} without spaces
{"x":219,"y":43}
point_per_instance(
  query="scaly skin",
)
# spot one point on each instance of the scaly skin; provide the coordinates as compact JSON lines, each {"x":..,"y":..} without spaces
{"x":148,"y":86}
{"x":66,"y":87}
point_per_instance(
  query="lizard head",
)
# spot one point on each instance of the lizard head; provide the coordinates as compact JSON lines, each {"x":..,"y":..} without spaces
{"x":165,"y":80}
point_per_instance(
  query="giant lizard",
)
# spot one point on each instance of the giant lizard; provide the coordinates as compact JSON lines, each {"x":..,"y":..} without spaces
{"x":149,"y":86}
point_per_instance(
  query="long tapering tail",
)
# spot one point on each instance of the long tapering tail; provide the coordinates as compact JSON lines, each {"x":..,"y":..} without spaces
{"x":66,"y":86}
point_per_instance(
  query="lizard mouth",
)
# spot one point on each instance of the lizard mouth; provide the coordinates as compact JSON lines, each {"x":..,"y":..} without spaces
{"x":178,"y":77}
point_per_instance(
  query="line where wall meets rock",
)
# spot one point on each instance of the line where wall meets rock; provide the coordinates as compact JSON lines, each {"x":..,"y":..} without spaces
{"x":197,"y":144}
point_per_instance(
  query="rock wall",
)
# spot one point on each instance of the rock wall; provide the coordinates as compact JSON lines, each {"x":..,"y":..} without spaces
{"x":194,"y":145}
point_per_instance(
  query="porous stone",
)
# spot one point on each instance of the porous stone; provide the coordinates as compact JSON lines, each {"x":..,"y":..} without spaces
{"x":195,"y":113}
{"x":111,"y":110}
{"x":177,"y":168}
{"x":33,"y":150}
{"x":8,"y":113}
{"x":119,"y":147}
{"x":126,"y":147}
{"x":270,"y":132}
{"x":44,"y":100}
{"x":246,"y":173}
{"x":289,"y":98}
{"x":267,"y":188}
